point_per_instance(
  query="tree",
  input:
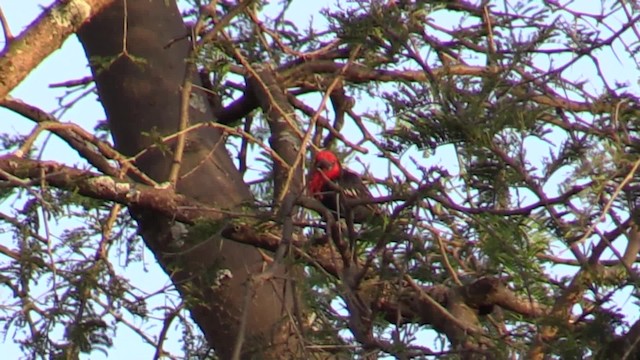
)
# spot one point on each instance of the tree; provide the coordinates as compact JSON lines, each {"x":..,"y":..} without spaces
{"x":523,"y":243}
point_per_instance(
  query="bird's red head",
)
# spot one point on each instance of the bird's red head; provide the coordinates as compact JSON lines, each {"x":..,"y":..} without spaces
{"x":327,"y":163}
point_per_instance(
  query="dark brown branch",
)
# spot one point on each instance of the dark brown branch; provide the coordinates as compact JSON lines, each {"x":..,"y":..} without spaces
{"x":626,"y":346}
{"x":73,"y":83}
{"x":239,"y":108}
{"x":285,"y":137}
{"x":357,"y":73}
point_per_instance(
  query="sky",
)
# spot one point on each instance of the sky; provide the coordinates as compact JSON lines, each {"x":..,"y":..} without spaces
{"x":69,"y":63}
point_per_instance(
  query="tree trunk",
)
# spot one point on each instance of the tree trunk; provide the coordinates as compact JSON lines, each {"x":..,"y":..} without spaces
{"x":140,"y":87}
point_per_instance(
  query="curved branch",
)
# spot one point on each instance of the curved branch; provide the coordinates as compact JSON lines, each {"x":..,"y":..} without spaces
{"x":42,"y":37}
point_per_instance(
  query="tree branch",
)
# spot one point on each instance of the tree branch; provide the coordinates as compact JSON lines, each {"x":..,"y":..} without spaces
{"x":98,"y":186}
{"x":411,"y":306}
{"x":42,"y":37}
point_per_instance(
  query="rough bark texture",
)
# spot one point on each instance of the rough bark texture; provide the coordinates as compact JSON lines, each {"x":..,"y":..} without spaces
{"x":140,"y":91}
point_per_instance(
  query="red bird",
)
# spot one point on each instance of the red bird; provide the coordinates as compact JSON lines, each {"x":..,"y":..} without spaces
{"x":332,"y":184}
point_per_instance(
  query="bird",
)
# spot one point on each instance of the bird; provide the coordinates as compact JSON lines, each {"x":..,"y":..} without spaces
{"x":336,"y":187}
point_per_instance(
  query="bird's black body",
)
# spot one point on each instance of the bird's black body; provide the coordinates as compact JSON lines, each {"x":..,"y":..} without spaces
{"x":346,"y":190}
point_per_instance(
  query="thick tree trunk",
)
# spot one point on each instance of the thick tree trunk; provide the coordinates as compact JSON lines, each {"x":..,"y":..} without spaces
{"x":140,"y":90}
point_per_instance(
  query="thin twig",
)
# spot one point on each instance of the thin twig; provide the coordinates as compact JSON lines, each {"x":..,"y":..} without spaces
{"x":6,"y":30}
{"x":249,"y":293}
{"x":185,"y":98}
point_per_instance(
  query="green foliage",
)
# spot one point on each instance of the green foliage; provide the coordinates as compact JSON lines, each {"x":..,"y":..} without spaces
{"x":104,"y":62}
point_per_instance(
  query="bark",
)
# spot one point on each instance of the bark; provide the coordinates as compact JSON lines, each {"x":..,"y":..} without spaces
{"x":139,"y":85}
{"x":42,"y":37}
